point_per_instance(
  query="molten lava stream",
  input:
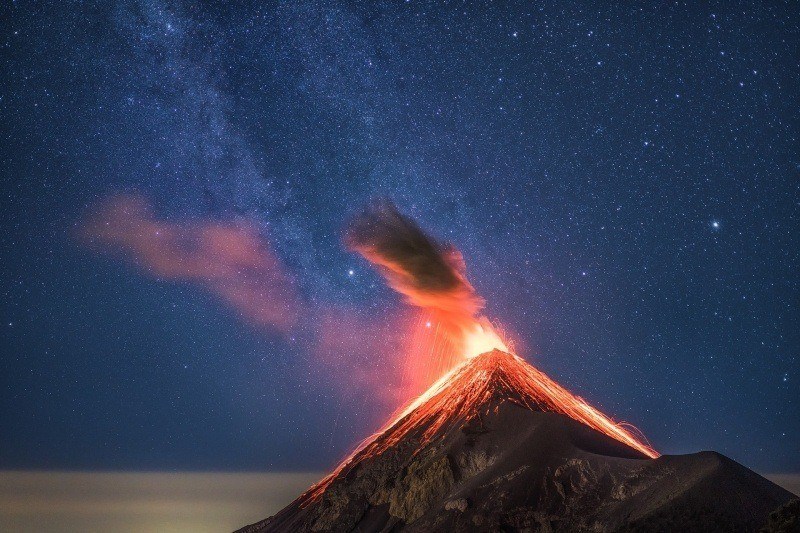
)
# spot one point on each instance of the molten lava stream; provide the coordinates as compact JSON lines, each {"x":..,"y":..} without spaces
{"x":459,"y":394}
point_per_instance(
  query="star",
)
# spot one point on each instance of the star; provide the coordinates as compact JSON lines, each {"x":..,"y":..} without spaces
{"x":523,"y":155}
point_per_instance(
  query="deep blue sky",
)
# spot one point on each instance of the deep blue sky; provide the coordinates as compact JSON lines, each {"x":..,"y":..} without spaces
{"x":622,"y":182}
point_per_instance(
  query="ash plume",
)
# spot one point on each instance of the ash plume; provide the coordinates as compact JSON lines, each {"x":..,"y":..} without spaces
{"x":429,"y":274}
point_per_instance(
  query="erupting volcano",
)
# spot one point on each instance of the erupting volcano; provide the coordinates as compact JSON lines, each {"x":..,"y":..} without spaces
{"x":464,"y":394}
{"x":494,"y":444}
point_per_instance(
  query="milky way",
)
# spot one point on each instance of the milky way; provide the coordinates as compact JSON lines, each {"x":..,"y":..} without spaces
{"x":621,"y":181}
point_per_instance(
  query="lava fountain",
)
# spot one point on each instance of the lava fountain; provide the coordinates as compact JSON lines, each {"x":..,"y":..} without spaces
{"x":466,"y":358}
{"x":430,"y":276}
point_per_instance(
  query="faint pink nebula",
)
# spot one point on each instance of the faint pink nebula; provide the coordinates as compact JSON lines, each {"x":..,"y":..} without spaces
{"x":230,"y":259}
{"x":386,"y":357}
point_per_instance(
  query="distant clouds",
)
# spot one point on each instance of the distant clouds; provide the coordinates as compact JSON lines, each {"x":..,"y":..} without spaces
{"x":360,"y":354}
{"x":230,"y":259}
{"x":133,"y":502}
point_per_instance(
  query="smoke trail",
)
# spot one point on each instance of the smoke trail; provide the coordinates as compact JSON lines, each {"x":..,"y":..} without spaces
{"x":231,"y":260}
{"x":429,"y":274}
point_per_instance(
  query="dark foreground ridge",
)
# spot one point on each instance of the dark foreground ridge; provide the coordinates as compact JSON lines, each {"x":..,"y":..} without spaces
{"x":503,"y":459}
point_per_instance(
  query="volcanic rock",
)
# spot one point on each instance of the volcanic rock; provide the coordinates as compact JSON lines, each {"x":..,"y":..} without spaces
{"x":491,"y":451}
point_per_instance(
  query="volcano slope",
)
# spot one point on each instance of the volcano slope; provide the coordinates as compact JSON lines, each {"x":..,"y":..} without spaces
{"x":489,"y":450}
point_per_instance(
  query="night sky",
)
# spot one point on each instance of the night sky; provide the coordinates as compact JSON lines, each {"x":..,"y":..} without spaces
{"x":622,"y":181}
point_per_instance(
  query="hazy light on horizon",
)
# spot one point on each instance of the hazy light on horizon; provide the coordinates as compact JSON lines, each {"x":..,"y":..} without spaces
{"x":164,"y":502}
{"x":143,"y":501}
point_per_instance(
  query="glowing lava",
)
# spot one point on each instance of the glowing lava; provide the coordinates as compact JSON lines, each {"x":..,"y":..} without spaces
{"x":482,"y":338}
{"x":473,"y":366}
{"x":478,"y":385}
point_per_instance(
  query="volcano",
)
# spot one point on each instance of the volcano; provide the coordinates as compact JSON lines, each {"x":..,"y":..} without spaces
{"x":496,"y":445}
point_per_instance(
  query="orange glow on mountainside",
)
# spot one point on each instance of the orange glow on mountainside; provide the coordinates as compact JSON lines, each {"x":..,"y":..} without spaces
{"x":463,"y":364}
{"x":471,"y":389}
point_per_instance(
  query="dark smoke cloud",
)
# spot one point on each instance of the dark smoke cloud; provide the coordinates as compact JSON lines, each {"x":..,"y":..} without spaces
{"x":429,"y":274}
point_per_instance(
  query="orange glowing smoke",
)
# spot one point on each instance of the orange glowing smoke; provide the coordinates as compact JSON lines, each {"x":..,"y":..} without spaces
{"x":230,"y":259}
{"x":472,"y":365}
{"x":431,"y":276}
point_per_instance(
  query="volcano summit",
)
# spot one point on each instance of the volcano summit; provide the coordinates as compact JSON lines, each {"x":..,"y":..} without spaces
{"x":496,"y":445}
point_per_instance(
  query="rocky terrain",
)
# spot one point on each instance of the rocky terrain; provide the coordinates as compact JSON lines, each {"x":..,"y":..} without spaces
{"x":505,"y":462}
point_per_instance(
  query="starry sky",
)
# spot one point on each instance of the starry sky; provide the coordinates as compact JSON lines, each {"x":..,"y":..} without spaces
{"x":622,"y":181}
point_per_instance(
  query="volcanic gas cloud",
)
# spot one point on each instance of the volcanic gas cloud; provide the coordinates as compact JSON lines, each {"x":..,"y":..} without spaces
{"x":230,"y":259}
{"x":431,"y":276}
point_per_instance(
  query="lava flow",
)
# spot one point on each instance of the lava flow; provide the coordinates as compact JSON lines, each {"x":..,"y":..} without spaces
{"x":498,"y":375}
{"x":468,"y":391}
{"x":476,"y":366}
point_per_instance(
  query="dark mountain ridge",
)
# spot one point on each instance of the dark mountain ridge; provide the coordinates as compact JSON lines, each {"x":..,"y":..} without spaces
{"x":494,"y":449}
